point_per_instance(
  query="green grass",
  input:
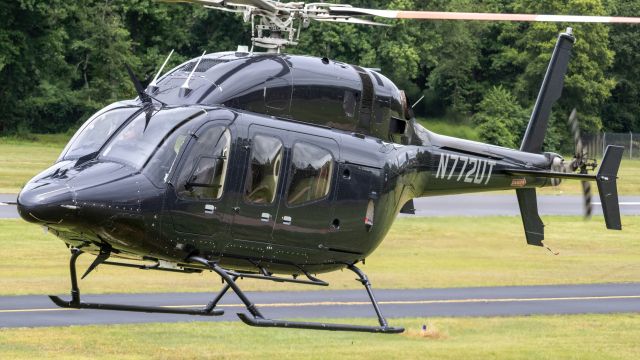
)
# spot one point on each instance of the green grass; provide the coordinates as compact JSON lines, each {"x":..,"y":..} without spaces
{"x":20,"y":159}
{"x":532,"y":337}
{"x":417,"y":253}
{"x":628,"y":182}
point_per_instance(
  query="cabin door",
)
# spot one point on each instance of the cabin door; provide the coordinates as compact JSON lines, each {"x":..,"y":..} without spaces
{"x":306,"y":212}
{"x":257,"y":203}
{"x":195,"y":201}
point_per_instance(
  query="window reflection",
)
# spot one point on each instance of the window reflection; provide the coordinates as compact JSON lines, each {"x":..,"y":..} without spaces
{"x":264,"y":170}
{"x":204,"y":171}
{"x":96,"y":131}
{"x":164,"y":159}
{"x":140,"y":138}
{"x":311,"y":171}
{"x":349,"y":103}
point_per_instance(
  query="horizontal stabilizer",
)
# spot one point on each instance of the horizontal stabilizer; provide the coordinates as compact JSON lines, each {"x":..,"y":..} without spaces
{"x":550,"y":174}
{"x":533,"y":226}
{"x":608,"y":188}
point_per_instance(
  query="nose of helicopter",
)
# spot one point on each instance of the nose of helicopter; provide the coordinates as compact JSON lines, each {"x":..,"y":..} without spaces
{"x":46,"y":203}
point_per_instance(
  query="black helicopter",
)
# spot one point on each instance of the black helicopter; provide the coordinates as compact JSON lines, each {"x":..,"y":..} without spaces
{"x":280,"y":167}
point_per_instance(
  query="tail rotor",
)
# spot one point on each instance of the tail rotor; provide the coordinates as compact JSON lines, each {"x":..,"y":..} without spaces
{"x":580,"y":163}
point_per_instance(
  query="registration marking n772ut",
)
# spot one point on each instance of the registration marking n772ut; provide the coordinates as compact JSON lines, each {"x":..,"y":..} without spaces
{"x":471,"y":170}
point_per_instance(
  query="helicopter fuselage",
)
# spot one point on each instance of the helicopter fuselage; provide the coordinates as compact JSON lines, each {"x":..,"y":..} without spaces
{"x":305,"y":174}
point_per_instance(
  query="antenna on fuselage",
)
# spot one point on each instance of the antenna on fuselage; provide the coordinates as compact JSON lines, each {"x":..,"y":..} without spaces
{"x":153,"y":84}
{"x":417,"y":102}
{"x":185,"y":89}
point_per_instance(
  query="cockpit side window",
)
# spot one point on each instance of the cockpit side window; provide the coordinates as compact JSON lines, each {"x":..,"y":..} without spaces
{"x":164,"y":160}
{"x":204,"y":171}
{"x":311,"y":170}
{"x":264,"y":170}
{"x":96,"y":131}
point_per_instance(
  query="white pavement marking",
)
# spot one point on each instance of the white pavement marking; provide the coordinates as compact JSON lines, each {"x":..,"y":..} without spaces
{"x":622,"y":203}
{"x":392,"y":302}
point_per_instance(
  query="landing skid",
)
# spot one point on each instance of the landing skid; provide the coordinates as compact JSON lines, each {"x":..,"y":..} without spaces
{"x":230,"y":277}
{"x":76,"y":303}
{"x":257,"y":319}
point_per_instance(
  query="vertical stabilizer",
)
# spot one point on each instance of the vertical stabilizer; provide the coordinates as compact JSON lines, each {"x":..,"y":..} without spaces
{"x":533,"y":226}
{"x":550,"y":92}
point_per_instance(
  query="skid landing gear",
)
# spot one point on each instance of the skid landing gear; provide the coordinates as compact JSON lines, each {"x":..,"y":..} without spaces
{"x":76,"y":303}
{"x":254,"y":319}
{"x":257,"y":319}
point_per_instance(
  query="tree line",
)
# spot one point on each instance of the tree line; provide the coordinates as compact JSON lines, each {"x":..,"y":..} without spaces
{"x":61,"y":60}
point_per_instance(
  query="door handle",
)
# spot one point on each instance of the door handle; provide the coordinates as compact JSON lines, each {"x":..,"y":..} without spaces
{"x":236,"y":210}
{"x":286,"y":220}
{"x":265,"y":217}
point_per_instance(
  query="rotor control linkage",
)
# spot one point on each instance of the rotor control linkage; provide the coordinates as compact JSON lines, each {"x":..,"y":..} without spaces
{"x":76,"y":303}
{"x":257,"y":319}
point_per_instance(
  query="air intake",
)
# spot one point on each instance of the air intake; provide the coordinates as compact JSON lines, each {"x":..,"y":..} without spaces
{"x":205,"y":65}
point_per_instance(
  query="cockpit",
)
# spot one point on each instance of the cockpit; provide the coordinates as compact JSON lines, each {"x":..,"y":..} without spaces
{"x":146,"y":140}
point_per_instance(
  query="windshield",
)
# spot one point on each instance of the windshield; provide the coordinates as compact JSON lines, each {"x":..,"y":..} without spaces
{"x":96,"y":131}
{"x":137,"y":141}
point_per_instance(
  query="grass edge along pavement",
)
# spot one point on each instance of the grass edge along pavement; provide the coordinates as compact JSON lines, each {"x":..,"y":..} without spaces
{"x":417,"y":253}
{"x":20,"y":160}
{"x":531,"y":337}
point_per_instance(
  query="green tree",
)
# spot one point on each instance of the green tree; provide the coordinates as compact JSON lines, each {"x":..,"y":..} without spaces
{"x":622,"y":111}
{"x":32,"y":62}
{"x":60,"y":61}
{"x":587,"y":85}
{"x":500,"y":119}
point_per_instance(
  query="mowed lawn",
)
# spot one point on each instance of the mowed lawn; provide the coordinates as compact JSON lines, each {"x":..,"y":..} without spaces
{"x":20,"y":160}
{"x":417,"y":253}
{"x":533,"y":337}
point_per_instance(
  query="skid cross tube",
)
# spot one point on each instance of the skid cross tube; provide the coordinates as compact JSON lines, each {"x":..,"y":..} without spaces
{"x":276,"y":278}
{"x":210,"y":306}
{"x":230,"y":282}
{"x":76,"y":303}
{"x":257,"y":319}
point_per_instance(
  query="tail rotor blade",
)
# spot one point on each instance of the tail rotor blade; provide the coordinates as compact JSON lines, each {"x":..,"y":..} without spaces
{"x":586,"y":193}
{"x":575,"y":131}
{"x":578,"y":156}
{"x":579,"y":163}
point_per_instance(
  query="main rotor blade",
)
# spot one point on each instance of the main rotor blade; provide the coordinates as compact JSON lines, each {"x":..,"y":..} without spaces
{"x":351,"y":20}
{"x":260,"y":4}
{"x":443,"y":15}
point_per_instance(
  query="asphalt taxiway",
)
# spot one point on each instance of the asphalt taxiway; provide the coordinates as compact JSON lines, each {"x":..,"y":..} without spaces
{"x":464,"y":205}
{"x":38,"y":310}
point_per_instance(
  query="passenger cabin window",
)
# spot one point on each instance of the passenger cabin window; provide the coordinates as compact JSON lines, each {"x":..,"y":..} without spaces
{"x":277,"y":95}
{"x":320,"y":104}
{"x":349,"y":103}
{"x":311,"y":170}
{"x":205,"y":168}
{"x":264,"y":170}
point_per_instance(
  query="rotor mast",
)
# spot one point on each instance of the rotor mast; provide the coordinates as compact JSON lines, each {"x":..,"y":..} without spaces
{"x":276,"y":25}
